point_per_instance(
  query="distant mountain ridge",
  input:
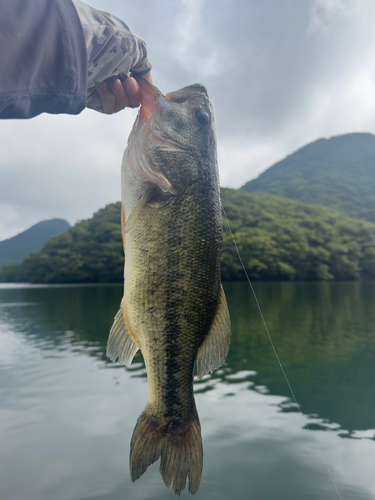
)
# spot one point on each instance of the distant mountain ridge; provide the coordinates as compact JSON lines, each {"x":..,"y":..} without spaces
{"x":32,"y":240}
{"x":89,"y":252}
{"x":282,"y":231}
{"x":278,"y":239}
{"x":338,"y":172}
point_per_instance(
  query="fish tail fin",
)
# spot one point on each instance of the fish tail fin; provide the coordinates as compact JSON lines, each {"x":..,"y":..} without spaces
{"x":178,"y":443}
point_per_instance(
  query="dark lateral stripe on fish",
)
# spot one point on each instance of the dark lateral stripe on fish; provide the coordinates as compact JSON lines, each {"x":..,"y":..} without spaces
{"x":173,"y":298}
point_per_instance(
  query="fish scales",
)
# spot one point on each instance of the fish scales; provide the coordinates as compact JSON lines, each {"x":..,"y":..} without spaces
{"x":179,"y":297}
{"x":174,"y":308}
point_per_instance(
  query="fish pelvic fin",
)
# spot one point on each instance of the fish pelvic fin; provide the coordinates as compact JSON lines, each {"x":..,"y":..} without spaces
{"x":178,"y":443}
{"x":214,"y":348}
{"x":120,"y":343}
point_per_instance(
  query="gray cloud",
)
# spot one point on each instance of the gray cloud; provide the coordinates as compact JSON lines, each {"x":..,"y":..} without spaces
{"x":281,"y":73}
{"x":59,"y":166}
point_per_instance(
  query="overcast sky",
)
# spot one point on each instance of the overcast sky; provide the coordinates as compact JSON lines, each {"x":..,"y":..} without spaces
{"x":281,"y":73}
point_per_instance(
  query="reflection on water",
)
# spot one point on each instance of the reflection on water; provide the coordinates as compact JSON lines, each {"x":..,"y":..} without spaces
{"x":324,"y":334}
{"x":67,"y":412}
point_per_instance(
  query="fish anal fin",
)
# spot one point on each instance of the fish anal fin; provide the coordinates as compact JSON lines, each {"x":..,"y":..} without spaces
{"x":121,"y":345}
{"x":214,"y":348}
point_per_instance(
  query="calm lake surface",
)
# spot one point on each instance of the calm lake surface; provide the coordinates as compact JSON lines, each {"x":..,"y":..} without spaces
{"x":67,"y":412}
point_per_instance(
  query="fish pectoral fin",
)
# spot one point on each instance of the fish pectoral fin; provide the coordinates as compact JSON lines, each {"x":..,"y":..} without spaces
{"x":137,"y":210}
{"x":214,"y":349}
{"x":120,"y":343}
{"x":123,"y":224}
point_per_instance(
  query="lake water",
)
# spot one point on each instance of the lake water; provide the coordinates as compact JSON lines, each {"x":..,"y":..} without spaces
{"x":67,"y":413}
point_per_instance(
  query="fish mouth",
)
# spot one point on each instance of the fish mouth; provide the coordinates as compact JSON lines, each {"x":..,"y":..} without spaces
{"x":136,"y":153}
{"x":151,"y":100}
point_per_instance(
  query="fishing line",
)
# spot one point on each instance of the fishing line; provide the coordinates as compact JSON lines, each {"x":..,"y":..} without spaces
{"x":274,"y":348}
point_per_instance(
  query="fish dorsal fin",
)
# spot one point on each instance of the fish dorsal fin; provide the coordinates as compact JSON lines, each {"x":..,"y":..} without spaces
{"x":137,"y":210}
{"x":214,"y":349}
{"x":120,"y":343}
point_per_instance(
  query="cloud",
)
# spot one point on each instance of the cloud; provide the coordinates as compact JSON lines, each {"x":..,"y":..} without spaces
{"x":192,"y":47}
{"x":250,"y":159}
{"x":323,"y":12}
{"x":59,"y":166}
{"x":280,"y":73}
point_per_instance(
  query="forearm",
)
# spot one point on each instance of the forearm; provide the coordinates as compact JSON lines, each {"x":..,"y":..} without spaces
{"x":112,"y":48}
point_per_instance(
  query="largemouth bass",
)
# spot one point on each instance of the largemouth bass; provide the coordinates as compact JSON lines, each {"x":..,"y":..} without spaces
{"x":174,"y":308}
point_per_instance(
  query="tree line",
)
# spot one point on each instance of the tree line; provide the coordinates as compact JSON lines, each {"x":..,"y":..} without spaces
{"x":278,"y":239}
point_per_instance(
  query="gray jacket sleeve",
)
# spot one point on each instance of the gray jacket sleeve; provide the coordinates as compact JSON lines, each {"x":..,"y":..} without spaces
{"x":53,"y":54}
{"x":112,"y":48}
{"x":43,"y":58}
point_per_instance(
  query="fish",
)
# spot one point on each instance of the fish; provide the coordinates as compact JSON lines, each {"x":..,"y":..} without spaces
{"x":174,"y":308}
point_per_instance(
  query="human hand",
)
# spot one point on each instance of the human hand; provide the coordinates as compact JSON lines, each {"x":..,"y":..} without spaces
{"x":121,"y":95}
{"x":112,"y":49}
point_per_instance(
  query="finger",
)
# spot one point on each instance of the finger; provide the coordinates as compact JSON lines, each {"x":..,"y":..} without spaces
{"x":108,"y":98}
{"x":148,"y":77}
{"x":133,"y":91}
{"x":122,"y":99}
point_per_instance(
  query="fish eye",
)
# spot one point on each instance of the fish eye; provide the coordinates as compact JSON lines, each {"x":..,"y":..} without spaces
{"x":202,"y":117}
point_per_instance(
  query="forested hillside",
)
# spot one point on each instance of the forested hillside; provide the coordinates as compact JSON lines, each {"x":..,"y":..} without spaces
{"x":89,"y":252}
{"x":279,"y":239}
{"x":337,"y":172}
{"x":32,"y":240}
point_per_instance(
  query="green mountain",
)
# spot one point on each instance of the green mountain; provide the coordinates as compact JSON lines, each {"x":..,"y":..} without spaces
{"x":32,"y":240}
{"x":337,"y":172}
{"x":89,"y":252}
{"x":278,"y":239}
{"x":282,"y":239}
